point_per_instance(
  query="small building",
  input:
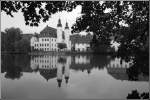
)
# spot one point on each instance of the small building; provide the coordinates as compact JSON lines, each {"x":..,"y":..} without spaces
{"x":81,"y":43}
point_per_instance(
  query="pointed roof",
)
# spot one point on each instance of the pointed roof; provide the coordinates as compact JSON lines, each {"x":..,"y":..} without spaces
{"x":59,"y":23}
{"x":48,"y":32}
{"x":66,"y":27}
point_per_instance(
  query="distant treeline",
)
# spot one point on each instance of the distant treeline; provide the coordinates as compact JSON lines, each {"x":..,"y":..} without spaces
{"x":13,"y":41}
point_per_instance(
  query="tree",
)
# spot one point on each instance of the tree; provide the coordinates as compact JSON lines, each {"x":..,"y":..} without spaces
{"x":12,"y":35}
{"x":62,"y":45}
{"x":22,"y":46}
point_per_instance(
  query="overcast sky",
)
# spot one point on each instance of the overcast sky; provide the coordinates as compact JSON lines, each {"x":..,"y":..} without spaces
{"x":18,"y":21}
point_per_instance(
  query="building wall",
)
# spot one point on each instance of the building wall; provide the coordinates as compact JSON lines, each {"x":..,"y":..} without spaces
{"x":50,"y":43}
{"x":82,"y":59}
{"x":81,"y":46}
{"x":46,"y":44}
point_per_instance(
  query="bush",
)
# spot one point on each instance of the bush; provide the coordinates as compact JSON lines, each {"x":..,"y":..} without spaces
{"x":61,"y":45}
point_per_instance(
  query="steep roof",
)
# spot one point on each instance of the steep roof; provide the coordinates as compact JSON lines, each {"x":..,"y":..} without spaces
{"x":66,"y":27}
{"x":59,"y":23}
{"x":48,"y":32}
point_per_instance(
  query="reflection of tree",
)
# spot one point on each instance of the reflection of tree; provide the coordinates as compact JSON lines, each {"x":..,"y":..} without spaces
{"x":100,"y":60}
{"x":12,"y":71}
{"x":14,"y":65}
{"x":140,"y":65}
{"x":136,"y":95}
{"x":61,"y":60}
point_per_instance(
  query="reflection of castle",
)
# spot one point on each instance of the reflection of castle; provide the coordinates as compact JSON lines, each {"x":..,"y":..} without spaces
{"x":52,"y":67}
{"x":118,"y":69}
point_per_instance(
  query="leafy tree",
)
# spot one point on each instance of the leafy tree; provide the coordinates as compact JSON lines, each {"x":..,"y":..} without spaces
{"x":12,"y":35}
{"x":61,"y":45}
{"x":22,"y":46}
{"x":12,"y":41}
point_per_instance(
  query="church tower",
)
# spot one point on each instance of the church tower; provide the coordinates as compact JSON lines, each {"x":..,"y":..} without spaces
{"x":67,"y":36}
{"x":59,"y":31}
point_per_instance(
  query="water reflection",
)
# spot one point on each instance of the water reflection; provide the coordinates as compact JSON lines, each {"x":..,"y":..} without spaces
{"x":69,"y":70}
{"x":52,"y":66}
{"x":135,"y":94}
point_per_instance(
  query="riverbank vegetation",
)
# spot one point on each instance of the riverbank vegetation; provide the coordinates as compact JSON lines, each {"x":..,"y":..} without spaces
{"x":12,"y":41}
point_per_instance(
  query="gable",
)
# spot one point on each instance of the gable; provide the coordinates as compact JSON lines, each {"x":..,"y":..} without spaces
{"x":48,"y":32}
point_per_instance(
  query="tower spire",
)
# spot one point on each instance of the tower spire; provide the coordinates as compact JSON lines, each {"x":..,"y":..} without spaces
{"x":66,"y":27}
{"x":59,"y":23}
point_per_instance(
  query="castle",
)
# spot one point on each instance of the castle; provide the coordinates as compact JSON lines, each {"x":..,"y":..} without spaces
{"x":49,"y":38}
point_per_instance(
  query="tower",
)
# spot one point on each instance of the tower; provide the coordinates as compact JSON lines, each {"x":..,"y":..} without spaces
{"x":59,"y":31}
{"x":67,"y":36}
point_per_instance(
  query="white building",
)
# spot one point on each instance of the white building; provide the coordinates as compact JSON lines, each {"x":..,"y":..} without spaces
{"x":49,"y":38}
{"x":81,"y":43}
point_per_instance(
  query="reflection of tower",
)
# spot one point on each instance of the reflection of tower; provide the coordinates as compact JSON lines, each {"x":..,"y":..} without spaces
{"x":33,"y":65}
{"x":59,"y":82}
{"x":59,"y":74}
{"x":88,"y":71}
{"x":67,"y":68}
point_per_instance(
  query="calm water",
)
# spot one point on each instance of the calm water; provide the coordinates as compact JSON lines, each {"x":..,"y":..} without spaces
{"x":68,"y":77}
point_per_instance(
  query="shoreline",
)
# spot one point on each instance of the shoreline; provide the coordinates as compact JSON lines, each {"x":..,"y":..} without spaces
{"x":60,"y":53}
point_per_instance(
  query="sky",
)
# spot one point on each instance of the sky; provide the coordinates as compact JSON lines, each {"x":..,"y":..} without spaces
{"x":18,"y":21}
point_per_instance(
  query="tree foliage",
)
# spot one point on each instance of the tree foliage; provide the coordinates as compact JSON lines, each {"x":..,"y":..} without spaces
{"x":12,"y":41}
{"x":35,"y":11}
{"x":61,"y":45}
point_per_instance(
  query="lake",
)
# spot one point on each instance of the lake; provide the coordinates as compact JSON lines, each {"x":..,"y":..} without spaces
{"x":75,"y":76}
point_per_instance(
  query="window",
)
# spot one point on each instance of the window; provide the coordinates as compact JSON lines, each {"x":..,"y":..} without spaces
{"x":52,"y":39}
{"x":47,"y":44}
{"x":45,"y":39}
